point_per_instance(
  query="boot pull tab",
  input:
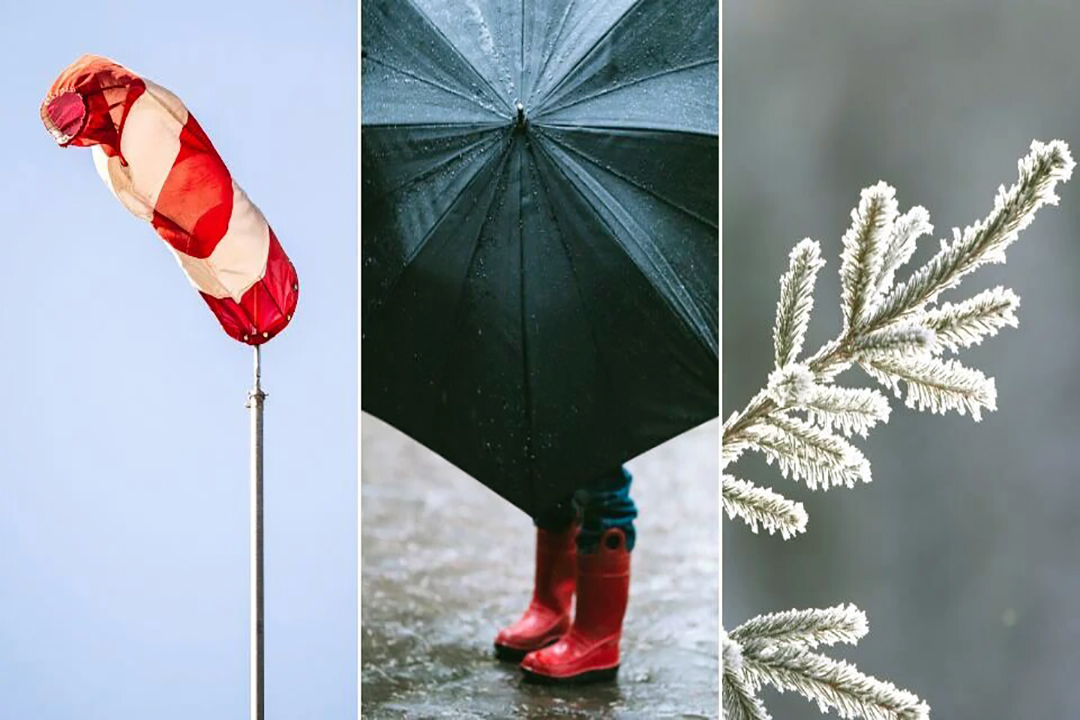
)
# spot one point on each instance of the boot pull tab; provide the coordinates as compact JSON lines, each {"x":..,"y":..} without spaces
{"x":613,"y":540}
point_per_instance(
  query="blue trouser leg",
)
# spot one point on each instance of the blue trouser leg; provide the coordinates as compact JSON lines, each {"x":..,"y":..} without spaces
{"x":607,"y":504}
{"x":603,"y":505}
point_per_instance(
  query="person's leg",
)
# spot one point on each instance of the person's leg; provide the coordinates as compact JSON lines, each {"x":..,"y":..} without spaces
{"x":548,"y":615}
{"x":558,"y":518}
{"x":606,"y":505}
{"x":590,"y":649}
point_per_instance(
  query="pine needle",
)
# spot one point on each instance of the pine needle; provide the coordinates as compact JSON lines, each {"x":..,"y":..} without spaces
{"x":808,"y":453}
{"x":907,"y":229}
{"x":805,"y":628}
{"x":849,"y":410}
{"x":864,"y":245}
{"x":936,"y":385}
{"x":833,"y":684}
{"x":967,"y":323}
{"x":796,"y":301}
{"x":757,"y":505}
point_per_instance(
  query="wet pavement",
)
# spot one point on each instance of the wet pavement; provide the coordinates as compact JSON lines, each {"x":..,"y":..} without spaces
{"x":446,"y":562}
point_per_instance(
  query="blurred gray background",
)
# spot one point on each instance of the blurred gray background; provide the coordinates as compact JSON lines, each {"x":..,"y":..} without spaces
{"x":965,"y":550}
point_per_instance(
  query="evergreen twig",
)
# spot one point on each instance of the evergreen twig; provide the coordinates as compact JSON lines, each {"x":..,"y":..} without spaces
{"x":897,"y":336}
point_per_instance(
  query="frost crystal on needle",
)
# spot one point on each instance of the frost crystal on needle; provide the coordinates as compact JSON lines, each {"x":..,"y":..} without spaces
{"x":791,"y":385}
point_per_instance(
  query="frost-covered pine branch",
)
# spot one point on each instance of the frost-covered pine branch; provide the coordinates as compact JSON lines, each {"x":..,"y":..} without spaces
{"x":796,"y":301}
{"x":833,"y":684}
{"x":908,"y":228}
{"x":758,"y":505}
{"x":806,"y":452}
{"x":967,"y":323}
{"x":839,"y":624}
{"x":740,"y":701}
{"x":896,"y":340}
{"x":802,"y":421}
{"x":864,"y":246}
{"x":849,"y":410}
{"x":792,"y":385}
{"x":936,"y":385}
{"x":892,"y":332}
{"x":985,"y":241}
{"x":778,"y":650}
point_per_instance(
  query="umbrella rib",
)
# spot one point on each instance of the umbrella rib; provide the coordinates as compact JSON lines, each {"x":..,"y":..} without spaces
{"x":607,"y":377}
{"x":432,"y":83}
{"x":521,"y":55}
{"x":456,"y":51}
{"x":526,"y":385}
{"x":456,"y":317}
{"x":424,"y":174}
{"x":676,"y":294}
{"x":551,"y":53}
{"x":630,"y":126}
{"x":438,"y":222}
{"x":569,"y":73}
{"x":427,"y":237}
{"x":471,"y":124}
{"x":628,"y":83}
{"x":673,"y":130}
{"x":631,"y":181}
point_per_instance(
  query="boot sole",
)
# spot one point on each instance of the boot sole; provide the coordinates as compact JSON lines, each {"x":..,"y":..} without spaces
{"x":516,"y":655}
{"x":585,"y":678}
{"x":509,"y":654}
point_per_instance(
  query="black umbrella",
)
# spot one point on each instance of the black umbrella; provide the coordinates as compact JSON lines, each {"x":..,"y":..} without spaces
{"x":539,"y":231}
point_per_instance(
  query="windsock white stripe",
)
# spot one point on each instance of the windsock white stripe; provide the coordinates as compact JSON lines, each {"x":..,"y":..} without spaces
{"x":150,"y":142}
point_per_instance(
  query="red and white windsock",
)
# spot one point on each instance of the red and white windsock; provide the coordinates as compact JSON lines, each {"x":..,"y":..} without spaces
{"x":159,"y":163}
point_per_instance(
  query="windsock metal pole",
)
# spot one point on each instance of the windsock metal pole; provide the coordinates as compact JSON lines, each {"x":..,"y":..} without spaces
{"x":255,"y":404}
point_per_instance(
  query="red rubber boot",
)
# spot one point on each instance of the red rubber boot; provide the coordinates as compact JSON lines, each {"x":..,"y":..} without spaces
{"x":548,"y":614}
{"x":589,"y":652}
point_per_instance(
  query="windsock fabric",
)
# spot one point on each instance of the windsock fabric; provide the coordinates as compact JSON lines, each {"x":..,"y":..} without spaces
{"x":152,"y":154}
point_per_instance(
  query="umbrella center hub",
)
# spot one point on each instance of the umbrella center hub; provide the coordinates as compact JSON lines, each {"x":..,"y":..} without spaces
{"x":519,"y":124}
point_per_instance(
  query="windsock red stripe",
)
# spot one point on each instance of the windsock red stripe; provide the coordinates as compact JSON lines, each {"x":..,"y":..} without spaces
{"x":195,"y":201}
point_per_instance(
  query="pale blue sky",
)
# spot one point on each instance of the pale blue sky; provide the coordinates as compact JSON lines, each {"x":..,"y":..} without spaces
{"x":123,"y":432}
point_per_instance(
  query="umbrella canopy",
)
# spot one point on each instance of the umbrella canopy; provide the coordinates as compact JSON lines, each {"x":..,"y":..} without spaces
{"x":539,"y":231}
{"x":155,"y":158}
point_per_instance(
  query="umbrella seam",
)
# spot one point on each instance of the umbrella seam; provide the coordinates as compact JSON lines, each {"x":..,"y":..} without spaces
{"x":423,"y":175}
{"x":530,"y":420}
{"x":458,"y":52}
{"x":521,"y":57}
{"x":630,"y":83}
{"x":596,"y":127}
{"x":554,"y":44}
{"x":476,"y":124}
{"x":432,"y":83}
